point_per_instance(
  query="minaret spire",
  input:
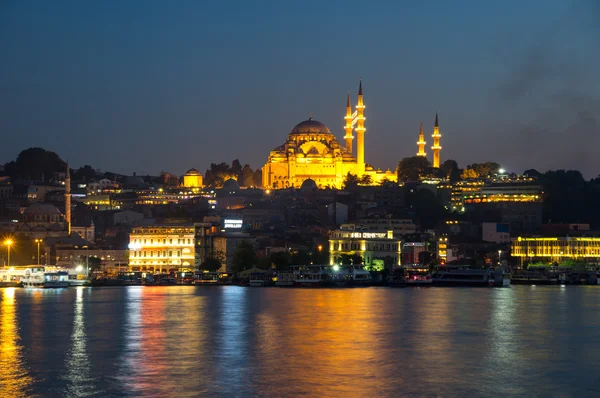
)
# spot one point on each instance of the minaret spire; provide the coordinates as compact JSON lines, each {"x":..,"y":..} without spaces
{"x":421,"y":143}
{"x":68,"y":199}
{"x":436,"y":142}
{"x":348,"y":127}
{"x":360,"y":131}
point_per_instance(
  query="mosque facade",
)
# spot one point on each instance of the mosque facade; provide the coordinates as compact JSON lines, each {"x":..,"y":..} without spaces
{"x":311,"y":151}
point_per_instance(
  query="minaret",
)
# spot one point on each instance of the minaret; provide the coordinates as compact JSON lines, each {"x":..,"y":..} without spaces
{"x":421,"y":143}
{"x":436,"y":143}
{"x":348,"y":127}
{"x":360,"y":131}
{"x":68,"y":199}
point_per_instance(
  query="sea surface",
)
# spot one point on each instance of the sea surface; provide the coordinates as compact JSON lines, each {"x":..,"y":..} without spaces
{"x":186,"y":341}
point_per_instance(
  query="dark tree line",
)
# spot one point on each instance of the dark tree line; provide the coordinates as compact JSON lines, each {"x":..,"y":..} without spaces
{"x":218,"y":173}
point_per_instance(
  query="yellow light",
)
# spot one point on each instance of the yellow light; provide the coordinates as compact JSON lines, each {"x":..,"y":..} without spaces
{"x":8,"y":242}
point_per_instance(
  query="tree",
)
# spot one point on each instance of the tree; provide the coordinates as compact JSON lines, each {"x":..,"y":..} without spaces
{"x":94,"y":264}
{"x":280,"y":260}
{"x":468,"y":174}
{"x":413,"y":168}
{"x":356,"y":259}
{"x":85,"y":173}
{"x":366,"y":179}
{"x":301,"y":257}
{"x":483,"y":170}
{"x":258,"y":178}
{"x":244,"y":257}
{"x":211,"y":264}
{"x":236,"y":168}
{"x":246,"y":177}
{"x":35,"y":164}
{"x":351,"y":181}
{"x":450,"y":170}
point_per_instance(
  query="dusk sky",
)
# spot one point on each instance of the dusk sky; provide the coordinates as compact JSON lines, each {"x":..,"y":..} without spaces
{"x":145,"y":86}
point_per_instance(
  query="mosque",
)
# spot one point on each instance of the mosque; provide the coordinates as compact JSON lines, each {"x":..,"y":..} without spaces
{"x":313,"y":152}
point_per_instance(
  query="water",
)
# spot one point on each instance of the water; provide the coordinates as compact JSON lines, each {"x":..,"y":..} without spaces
{"x":232,"y":341}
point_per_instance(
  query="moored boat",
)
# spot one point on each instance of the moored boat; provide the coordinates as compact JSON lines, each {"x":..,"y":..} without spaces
{"x":473,"y":277}
{"x":39,"y":278}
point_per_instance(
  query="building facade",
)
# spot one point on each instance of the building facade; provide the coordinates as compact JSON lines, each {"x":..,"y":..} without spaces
{"x":313,"y":152}
{"x":162,"y":248}
{"x":377,"y":249}
{"x":556,"y":249}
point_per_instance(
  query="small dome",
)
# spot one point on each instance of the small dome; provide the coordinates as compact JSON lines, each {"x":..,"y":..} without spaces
{"x":45,"y":209}
{"x":310,"y":126}
{"x":231,"y":185}
{"x":192,"y":172}
{"x":308,"y":185}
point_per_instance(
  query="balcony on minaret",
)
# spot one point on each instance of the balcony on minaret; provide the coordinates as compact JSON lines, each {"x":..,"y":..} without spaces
{"x":435,"y":147}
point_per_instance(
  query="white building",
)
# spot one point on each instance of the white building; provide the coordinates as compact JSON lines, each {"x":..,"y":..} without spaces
{"x":377,"y":249}
{"x":162,"y":248}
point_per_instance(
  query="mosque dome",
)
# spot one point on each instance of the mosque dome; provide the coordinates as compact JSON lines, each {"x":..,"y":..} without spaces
{"x":310,"y":126}
{"x":231,"y":185}
{"x":192,"y":172}
{"x":42,"y":209}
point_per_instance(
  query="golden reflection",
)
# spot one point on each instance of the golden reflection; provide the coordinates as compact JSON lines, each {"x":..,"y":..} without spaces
{"x":14,"y":377}
{"x":78,"y":364}
{"x":146,"y":356}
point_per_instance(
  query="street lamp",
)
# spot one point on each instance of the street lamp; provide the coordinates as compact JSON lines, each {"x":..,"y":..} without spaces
{"x":8,"y":243}
{"x":499,"y":256}
{"x":38,"y":241}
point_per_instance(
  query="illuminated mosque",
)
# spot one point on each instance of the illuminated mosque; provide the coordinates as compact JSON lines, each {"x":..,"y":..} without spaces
{"x":312,"y":152}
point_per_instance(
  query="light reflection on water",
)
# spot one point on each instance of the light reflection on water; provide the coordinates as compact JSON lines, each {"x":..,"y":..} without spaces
{"x":233,"y":341}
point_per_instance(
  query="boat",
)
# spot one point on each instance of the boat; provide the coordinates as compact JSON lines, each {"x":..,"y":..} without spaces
{"x":39,"y":278}
{"x":285,"y":279}
{"x":8,"y":278}
{"x":212,"y":278}
{"x":398,"y":278}
{"x":418,"y":276}
{"x":258,"y":279}
{"x":307,"y":275}
{"x":537,"y":277}
{"x":464,"y":276}
{"x":345,"y":275}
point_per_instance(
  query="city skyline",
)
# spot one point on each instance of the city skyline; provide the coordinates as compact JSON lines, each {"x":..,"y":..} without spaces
{"x":181,"y":86}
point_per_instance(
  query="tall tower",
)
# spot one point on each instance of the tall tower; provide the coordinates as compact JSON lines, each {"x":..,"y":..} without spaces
{"x":360,"y":131}
{"x":436,"y":143}
{"x":348,"y":127}
{"x":68,"y":199}
{"x":421,"y":143}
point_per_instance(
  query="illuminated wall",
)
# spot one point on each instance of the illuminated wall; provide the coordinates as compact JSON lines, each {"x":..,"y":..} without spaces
{"x":557,"y":249}
{"x":370,"y":245}
{"x":162,"y":247}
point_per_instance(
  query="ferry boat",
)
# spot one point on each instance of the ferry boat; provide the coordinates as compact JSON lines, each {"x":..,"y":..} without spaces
{"x":418,"y":276}
{"x":212,"y":278}
{"x":285,"y":279}
{"x":538,"y":277}
{"x":39,"y":278}
{"x":460,"y":276}
{"x":8,"y":278}
{"x":258,"y":279}
{"x":346,"y":275}
{"x":308,"y":275}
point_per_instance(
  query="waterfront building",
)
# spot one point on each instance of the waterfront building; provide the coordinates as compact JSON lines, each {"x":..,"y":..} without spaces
{"x":377,"y":249}
{"x":192,"y":179}
{"x":313,"y":152}
{"x":556,"y":249}
{"x":164,"y":247}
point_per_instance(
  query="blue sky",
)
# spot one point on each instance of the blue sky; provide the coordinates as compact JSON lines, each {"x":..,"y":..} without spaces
{"x":147,"y":86}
